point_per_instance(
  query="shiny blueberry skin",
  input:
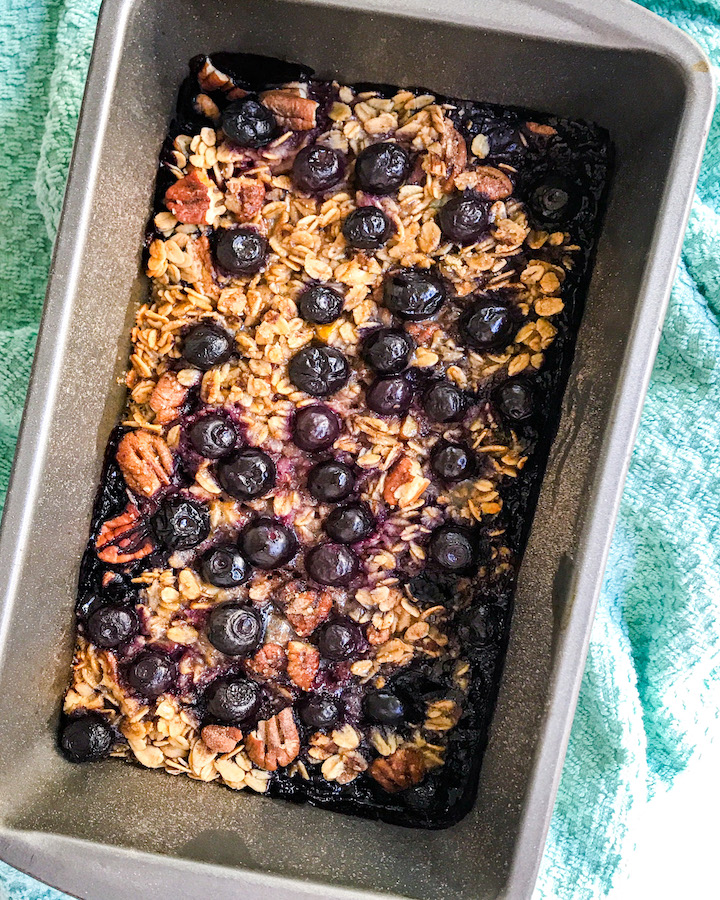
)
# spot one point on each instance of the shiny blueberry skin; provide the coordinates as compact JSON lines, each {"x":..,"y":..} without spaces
{"x":340,"y":640}
{"x":414,"y":294}
{"x":464,"y":219}
{"x":241,"y":251}
{"x":110,"y":626}
{"x":151,"y":673}
{"x":181,"y":523}
{"x":515,"y":399}
{"x":452,"y":462}
{"x":315,"y":428}
{"x":388,"y":350}
{"x":389,"y":396}
{"x":382,"y":168}
{"x":332,"y":564}
{"x":319,"y":370}
{"x":86,"y":738}
{"x":248,"y":474}
{"x":248,"y":123}
{"x":232,"y":700}
{"x":383,"y":707}
{"x":268,"y":544}
{"x":331,"y":481}
{"x":554,"y":201}
{"x":206,"y":345}
{"x":235,"y":629}
{"x":320,"y":711}
{"x":213,"y":436}
{"x":350,"y":523}
{"x":444,"y":402}
{"x":224,"y":566}
{"x":317,"y":169}
{"x":367,"y":228}
{"x":488,"y":324}
{"x":320,"y":304}
{"x":453,"y":549}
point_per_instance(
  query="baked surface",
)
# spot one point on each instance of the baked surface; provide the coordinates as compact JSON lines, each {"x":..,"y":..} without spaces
{"x":342,"y":391}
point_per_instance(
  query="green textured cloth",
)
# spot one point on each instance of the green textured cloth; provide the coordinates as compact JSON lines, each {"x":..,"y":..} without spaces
{"x":653,"y":674}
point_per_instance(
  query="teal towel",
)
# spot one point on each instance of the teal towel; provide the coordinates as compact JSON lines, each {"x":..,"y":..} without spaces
{"x":653,"y":674}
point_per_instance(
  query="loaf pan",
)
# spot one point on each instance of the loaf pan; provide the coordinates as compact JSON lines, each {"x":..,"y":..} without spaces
{"x":119,"y":832}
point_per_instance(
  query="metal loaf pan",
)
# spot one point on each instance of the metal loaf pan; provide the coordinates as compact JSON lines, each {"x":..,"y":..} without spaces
{"x":114,"y":831}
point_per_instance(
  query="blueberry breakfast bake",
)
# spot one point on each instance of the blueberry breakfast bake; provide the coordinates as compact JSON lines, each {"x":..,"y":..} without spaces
{"x":343,"y":387}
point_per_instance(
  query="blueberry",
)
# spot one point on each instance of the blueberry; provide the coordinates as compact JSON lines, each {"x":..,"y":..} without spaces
{"x":181,"y":523}
{"x":151,"y":673}
{"x":331,"y":481}
{"x":383,"y":707}
{"x":86,"y":738}
{"x":232,"y":700}
{"x":340,"y":640}
{"x":235,"y":629}
{"x":241,"y":251}
{"x":320,"y":304}
{"x":488,"y":324}
{"x":268,"y":544}
{"x":414,"y":294}
{"x":382,"y":168}
{"x":443,"y":402}
{"x":452,"y":462}
{"x":554,"y":201}
{"x":248,"y":474}
{"x":316,"y":169}
{"x":206,"y":345}
{"x":319,"y":370}
{"x":464,"y":219}
{"x":515,"y":399}
{"x":367,"y":228}
{"x":224,"y":566}
{"x":320,"y":711}
{"x":350,"y":523}
{"x":315,"y":428}
{"x":111,"y":626}
{"x":248,"y":123}
{"x":389,"y":396}
{"x":332,"y":564}
{"x":453,"y":548}
{"x":388,"y":350}
{"x":213,"y":436}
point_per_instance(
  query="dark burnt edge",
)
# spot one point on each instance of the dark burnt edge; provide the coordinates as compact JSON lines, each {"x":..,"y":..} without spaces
{"x":584,"y":146}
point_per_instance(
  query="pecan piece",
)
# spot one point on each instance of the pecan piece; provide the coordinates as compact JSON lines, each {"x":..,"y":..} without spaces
{"x":447,"y":158}
{"x":541,"y":130}
{"x":492,"y":183}
{"x":303,"y":663}
{"x":145,"y":461}
{"x":377,"y":636}
{"x":293,"y":112}
{"x":167,"y":398}
{"x":423,"y":332}
{"x":245,"y":197}
{"x":404,"y":483}
{"x":304,"y":609}
{"x":201,"y":269}
{"x":268,"y":662}
{"x":124,"y":538}
{"x":401,"y":770}
{"x":212,"y":79}
{"x":189,"y":199}
{"x":275,"y":742}
{"x":221,"y":738}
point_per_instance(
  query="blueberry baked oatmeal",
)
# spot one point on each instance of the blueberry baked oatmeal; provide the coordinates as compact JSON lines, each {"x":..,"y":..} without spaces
{"x":343,"y":386}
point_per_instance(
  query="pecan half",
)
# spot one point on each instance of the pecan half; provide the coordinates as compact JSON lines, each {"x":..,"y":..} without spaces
{"x":401,"y":770}
{"x":245,"y":197}
{"x":124,"y":538}
{"x":145,"y":461}
{"x":221,"y":738}
{"x":303,"y":663}
{"x":293,"y":112}
{"x":167,"y":398}
{"x":189,"y":199}
{"x":268,"y":662}
{"x":304,"y":609}
{"x":404,"y":483}
{"x":275,"y":742}
{"x":492,"y":183}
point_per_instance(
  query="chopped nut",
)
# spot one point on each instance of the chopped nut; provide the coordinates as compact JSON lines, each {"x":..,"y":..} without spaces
{"x":245,"y":197}
{"x":293,"y":112}
{"x":268,"y":662}
{"x":304,"y":609}
{"x":167,"y":398}
{"x":221,"y":738}
{"x":399,"y":771}
{"x":492,"y":183}
{"x":145,"y":462}
{"x":303,"y":663}
{"x":480,"y":146}
{"x":189,"y":199}
{"x":447,"y":159}
{"x":124,"y":538}
{"x":541,"y":130}
{"x":275,"y":742}
{"x":404,"y":483}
